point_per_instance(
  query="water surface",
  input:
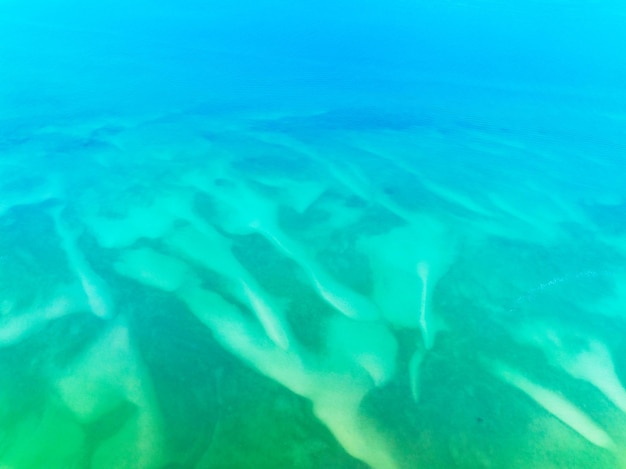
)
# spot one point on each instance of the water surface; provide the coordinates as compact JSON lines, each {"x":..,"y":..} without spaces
{"x":242,"y":235}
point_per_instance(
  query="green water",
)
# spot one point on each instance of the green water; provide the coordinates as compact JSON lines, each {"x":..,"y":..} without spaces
{"x":313,"y":289}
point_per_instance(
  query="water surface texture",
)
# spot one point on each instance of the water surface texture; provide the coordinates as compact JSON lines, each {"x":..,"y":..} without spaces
{"x":386,"y":235}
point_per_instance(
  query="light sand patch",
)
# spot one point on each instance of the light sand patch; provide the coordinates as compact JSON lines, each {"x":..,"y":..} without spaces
{"x":246,"y":211}
{"x":153,"y":269}
{"x":371,"y":345}
{"x":407,"y":263}
{"x":140,"y":222}
{"x":150,"y":221}
{"x":211,"y":250}
{"x":18,"y":324}
{"x":335,"y":386}
{"x":108,"y":374}
{"x":555,"y":404}
{"x":96,"y":290}
{"x":581,"y":356}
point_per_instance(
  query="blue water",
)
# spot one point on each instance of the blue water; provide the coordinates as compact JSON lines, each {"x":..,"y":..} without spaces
{"x":381,"y":235}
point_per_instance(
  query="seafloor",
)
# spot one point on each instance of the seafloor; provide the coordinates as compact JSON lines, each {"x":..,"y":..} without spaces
{"x":315,"y":288}
{"x":312,"y":235}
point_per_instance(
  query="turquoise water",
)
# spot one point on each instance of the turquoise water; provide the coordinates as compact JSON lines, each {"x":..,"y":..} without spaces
{"x":386,"y":235}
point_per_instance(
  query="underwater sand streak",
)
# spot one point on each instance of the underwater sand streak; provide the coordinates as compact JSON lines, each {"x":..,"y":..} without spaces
{"x":335,"y":397}
{"x":94,"y":287}
{"x":211,"y":250}
{"x":323,"y":382}
{"x":583,"y":357}
{"x":557,"y":405}
{"x":109,"y":373}
{"x":247,"y":212}
{"x":367,"y":351}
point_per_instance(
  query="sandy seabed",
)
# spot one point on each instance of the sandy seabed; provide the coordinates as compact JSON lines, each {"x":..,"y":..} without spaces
{"x":345,"y":289}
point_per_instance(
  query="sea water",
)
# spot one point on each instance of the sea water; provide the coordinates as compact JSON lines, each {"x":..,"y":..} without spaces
{"x":384,"y":235}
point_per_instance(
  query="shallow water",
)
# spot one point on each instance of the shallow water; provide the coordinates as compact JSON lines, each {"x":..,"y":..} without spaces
{"x":243,"y":236}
